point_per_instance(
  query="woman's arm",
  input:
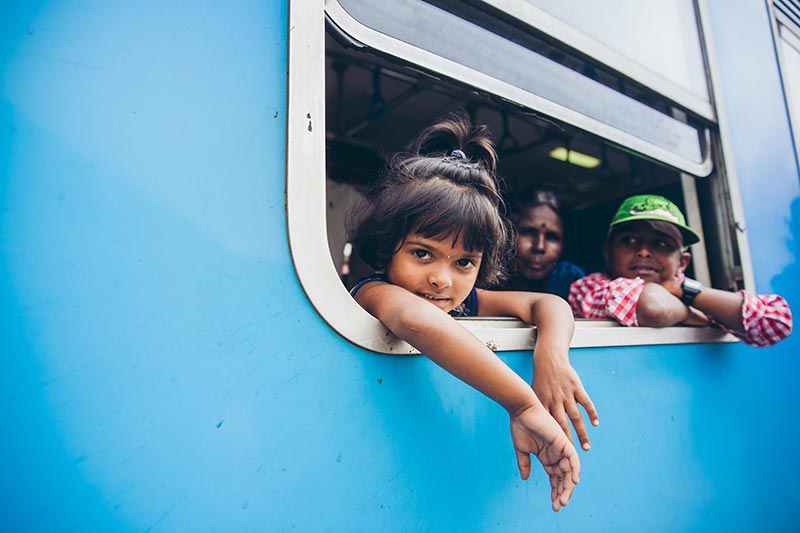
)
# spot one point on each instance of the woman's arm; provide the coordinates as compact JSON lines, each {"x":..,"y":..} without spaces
{"x":446,"y":342}
{"x":555,"y":382}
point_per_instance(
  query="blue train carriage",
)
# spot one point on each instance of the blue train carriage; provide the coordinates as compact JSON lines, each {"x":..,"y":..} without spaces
{"x":179,"y":349}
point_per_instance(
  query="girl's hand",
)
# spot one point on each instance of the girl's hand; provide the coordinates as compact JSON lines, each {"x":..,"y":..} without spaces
{"x":533,"y":431}
{"x":560,"y":390}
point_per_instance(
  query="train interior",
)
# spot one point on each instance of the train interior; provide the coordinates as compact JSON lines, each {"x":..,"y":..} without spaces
{"x":376,"y":105}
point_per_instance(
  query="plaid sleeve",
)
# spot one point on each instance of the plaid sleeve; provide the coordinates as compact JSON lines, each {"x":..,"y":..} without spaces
{"x":767,"y":319}
{"x":598,"y":296}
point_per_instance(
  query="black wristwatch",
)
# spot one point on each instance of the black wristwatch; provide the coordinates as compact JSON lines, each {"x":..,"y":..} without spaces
{"x":691,"y":288}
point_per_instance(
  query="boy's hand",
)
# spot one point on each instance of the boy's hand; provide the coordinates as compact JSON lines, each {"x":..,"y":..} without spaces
{"x":533,"y":431}
{"x":559,"y":388}
{"x":696,"y":318}
{"x":674,"y":287}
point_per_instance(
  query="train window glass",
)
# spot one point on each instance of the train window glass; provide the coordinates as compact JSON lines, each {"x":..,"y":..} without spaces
{"x":490,"y":54}
{"x":789,"y":44}
{"x":661,"y":37}
{"x":376,"y":102}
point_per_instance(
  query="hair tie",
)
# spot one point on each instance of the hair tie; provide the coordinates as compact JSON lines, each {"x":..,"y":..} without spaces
{"x":458,"y":154}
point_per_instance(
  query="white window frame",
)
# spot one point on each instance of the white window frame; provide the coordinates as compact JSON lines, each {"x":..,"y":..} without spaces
{"x":306,"y":225}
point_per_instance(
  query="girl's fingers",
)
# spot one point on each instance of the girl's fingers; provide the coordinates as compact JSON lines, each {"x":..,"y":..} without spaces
{"x":562,"y":492}
{"x":560,"y":416}
{"x":575,"y":469}
{"x":583,"y":399}
{"x":524,"y":464}
{"x":580,"y":427}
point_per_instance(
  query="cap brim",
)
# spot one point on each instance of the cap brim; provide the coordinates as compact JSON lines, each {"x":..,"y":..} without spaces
{"x":689,"y":236}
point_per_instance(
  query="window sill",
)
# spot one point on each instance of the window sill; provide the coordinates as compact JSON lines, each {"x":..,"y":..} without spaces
{"x":510,"y":334}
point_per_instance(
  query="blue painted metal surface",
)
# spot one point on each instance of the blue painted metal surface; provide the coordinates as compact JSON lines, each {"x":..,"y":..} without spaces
{"x":162,"y":370}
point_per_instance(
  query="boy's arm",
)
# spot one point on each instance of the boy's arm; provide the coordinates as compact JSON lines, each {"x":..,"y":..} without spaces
{"x":659,"y":307}
{"x":723,"y":306}
{"x":631,"y":302}
{"x":555,"y":382}
{"x":446,"y":342}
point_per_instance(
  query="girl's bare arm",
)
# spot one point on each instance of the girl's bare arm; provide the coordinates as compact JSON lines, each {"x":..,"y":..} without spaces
{"x":555,"y":382}
{"x":451,"y":346}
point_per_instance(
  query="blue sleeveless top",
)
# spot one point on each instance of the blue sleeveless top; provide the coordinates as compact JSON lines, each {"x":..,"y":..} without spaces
{"x":468,"y":307}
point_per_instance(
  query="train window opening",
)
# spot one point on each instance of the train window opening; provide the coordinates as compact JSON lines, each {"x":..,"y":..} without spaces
{"x":375,"y":107}
{"x":379,"y":93}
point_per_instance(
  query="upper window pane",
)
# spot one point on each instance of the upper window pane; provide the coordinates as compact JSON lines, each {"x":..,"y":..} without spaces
{"x":509,"y":69}
{"x":660,"y":36}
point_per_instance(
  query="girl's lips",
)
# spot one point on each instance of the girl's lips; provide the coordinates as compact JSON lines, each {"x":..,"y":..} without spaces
{"x":436,"y":300}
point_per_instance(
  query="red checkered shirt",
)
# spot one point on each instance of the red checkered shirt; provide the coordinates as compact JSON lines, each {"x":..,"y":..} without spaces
{"x":767,"y":319}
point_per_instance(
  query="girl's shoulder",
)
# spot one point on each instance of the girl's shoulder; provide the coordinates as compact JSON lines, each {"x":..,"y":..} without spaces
{"x":370,"y":279}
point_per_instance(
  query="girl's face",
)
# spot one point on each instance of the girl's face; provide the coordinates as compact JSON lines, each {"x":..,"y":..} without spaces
{"x":435,"y":270}
{"x":640,"y":251}
{"x":540,"y":238}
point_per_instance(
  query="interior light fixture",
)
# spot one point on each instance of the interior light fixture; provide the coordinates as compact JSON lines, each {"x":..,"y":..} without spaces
{"x":575,"y":158}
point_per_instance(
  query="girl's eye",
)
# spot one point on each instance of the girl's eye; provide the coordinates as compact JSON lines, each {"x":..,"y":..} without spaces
{"x":628,"y":240}
{"x":554,"y":237}
{"x":420,"y":253}
{"x":465,"y":263}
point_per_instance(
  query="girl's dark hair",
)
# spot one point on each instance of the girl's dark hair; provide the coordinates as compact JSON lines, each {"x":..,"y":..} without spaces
{"x":534,"y":198}
{"x":445,"y":185}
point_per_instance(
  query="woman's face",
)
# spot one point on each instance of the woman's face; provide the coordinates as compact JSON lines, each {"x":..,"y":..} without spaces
{"x":540,"y":239}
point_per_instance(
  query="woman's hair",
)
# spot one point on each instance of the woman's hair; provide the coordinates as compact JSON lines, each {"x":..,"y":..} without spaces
{"x":444,"y":186}
{"x":534,"y":198}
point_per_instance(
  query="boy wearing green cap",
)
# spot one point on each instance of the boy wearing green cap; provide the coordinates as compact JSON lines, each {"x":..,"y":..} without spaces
{"x":645,"y":285}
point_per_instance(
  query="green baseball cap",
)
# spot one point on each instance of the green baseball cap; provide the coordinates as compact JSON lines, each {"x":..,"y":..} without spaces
{"x":653,"y":207}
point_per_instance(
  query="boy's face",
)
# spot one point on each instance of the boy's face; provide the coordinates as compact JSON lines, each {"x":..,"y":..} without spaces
{"x":435,"y":270}
{"x":638,"y":250}
{"x":539,"y":241}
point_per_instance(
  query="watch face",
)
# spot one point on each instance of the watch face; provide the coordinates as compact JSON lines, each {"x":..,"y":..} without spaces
{"x":692,"y":286}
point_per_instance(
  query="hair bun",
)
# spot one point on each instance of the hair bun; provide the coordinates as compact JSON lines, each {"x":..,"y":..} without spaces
{"x":458,"y":138}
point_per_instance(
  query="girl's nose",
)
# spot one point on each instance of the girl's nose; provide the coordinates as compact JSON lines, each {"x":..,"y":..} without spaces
{"x":440,"y":278}
{"x":643,"y":250}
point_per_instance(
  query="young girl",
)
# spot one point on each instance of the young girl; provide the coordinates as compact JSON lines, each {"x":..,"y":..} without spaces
{"x":433,"y":230}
